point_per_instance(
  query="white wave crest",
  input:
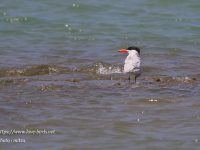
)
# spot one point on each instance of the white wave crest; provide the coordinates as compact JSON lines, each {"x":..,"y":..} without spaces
{"x":106,"y":69}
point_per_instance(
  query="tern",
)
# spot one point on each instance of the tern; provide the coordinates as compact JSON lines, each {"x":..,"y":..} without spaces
{"x":132,"y":62}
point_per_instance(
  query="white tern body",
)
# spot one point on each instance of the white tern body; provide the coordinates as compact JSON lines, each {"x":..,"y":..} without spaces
{"x":132,"y":64}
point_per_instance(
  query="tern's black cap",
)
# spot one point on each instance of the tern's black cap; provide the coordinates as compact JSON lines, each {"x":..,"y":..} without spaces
{"x":134,"y":48}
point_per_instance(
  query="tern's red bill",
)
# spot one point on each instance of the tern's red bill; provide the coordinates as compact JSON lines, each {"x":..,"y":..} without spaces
{"x":123,"y":51}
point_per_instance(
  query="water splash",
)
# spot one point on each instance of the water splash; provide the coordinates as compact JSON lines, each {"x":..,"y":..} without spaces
{"x":105,"y":69}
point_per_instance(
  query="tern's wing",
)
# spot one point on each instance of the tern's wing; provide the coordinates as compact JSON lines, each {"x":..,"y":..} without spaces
{"x":131,"y":63}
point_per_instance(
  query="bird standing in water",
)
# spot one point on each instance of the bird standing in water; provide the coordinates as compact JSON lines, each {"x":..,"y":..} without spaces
{"x":132,"y":62}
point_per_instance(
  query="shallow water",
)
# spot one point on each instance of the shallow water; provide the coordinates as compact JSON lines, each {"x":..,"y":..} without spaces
{"x":60,"y":71}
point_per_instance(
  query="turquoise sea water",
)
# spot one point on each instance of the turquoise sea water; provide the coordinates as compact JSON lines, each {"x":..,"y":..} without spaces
{"x":60,"y":70}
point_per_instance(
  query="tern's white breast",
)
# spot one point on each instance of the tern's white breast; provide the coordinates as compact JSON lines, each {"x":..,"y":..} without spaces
{"x":132,"y":62}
